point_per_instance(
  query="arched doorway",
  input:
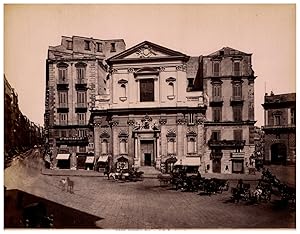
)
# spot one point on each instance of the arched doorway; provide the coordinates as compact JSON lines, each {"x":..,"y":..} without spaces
{"x":278,"y":153}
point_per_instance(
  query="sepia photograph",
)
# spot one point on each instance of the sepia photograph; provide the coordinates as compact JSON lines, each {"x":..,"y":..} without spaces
{"x":149,"y":116}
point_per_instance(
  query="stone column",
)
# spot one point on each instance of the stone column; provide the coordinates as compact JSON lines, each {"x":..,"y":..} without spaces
{"x":154,"y":149}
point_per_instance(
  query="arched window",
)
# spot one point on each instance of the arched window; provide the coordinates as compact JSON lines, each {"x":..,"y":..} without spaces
{"x":80,"y":72}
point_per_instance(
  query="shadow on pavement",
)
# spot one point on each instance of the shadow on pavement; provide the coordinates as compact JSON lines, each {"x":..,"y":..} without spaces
{"x":64,"y":217}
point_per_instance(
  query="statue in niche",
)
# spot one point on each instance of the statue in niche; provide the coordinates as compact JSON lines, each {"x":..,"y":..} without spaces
{"x":136,"y":126}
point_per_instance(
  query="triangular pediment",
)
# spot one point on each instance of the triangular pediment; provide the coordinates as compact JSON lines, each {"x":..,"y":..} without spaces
{"x":145,"y":51}
{"x":228,"y":52}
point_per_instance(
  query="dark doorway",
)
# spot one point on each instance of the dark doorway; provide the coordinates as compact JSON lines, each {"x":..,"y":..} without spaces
{"x":216,"y":165}
{"x":278,"y":154}
{"x":63,"y":164}
{"x":147,"y":159}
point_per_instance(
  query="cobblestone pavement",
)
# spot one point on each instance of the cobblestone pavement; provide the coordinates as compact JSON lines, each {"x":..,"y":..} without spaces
{"x":146,"y":205}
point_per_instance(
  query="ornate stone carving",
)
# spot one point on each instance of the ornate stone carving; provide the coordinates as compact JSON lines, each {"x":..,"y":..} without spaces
{"x":130,"y":70}
{"x":123,"y":134}
{"x":104,"y":135}
{"x":181,"y":121}
{"x":161,"y":69}
{"x":181,"y":67}
{"x":130,"y":122}
{"x":201,"y":119}
{"x":145,"y":52}
{"x":113,"y":123}
{"x":113,"y":70}
{"x":162,"y":121}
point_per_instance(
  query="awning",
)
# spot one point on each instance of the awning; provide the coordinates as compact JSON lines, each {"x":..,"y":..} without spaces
{"x":62,"y":156}
{"x":188,"y":162}
{"x":89,"y":159}
{"x":103,"y":159}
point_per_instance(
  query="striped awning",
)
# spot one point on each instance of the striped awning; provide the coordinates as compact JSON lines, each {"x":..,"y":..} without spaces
{"x":62,"y":156}
{"x":103,"y":159}
{"x":188,"y":162}
{"x":89,"y":159}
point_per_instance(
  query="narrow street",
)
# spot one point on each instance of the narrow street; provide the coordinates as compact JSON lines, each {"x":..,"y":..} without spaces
{"x":102,"y":203}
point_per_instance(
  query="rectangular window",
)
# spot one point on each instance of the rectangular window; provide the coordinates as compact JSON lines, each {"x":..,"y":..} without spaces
{"x":81,"y":99}
{"x":147,"y":90}
{"x":87,"y":45}
{"x":190,"y":83}
{"x":63,"y":118}
{"x":80,"y":73}
{"x":99,"y":46}
{"x":82,"y":149}
{"x":113,"y":47}
{"x":63,"y":133}
{"x":237,"y":113}
{"x":69,"y":45}
{"x":236,"y":68}
{"x":62,"y":75}
{"x":237,"y":91}
{"x":238,"y":135}
{"x":217,"y":114}
{"x":216,"y":135}
{"x":216,"y":68}
{"x":277,"y":120}
{"x":217,"y":92}
{"x":81,"y":118}
{"x":293,"y":116}
{"x":63,"y":99}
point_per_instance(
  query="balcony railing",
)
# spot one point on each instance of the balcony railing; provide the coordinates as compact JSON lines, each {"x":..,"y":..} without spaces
{"x":227,"y":143}
{"x":237,"y":98}
{"x":81,"y":105}
{"x":81,"y":81}
{"x":63,"y":81}
{"x":63,"y":105}
{"x":236,"y":73}
{"x":216,"y":99}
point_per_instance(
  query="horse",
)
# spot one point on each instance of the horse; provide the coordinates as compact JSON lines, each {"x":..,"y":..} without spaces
{"x":70,"y":186}
{"x":62,"y":184}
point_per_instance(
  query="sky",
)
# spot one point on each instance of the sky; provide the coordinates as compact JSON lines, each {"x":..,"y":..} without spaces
{"x":266,"y":31}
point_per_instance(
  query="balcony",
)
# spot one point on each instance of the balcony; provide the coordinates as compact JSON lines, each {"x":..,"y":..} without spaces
{"x":216,"y":101}
{"x":237,"y":154}
{"x":236,"y":100}
{"x":232,"y":144}
{"x":72,"y":141}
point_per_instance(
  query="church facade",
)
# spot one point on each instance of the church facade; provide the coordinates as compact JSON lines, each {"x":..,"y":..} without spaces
{"x":153,"y":106}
